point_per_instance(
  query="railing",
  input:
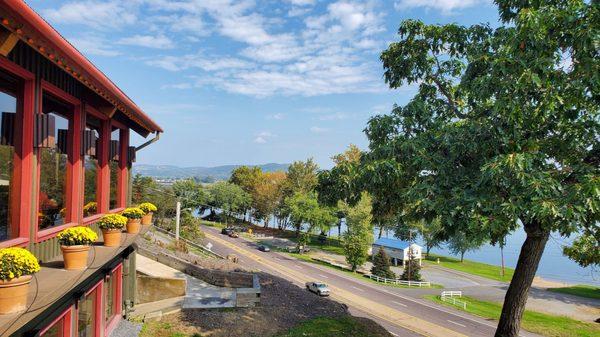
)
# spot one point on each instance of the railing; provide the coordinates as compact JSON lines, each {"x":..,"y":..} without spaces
{"x":451,"y":297}
{"x":191,"y":243}
{"x":399,"y":282}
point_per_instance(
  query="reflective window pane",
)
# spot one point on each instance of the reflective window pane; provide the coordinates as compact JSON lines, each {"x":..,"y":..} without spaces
{"x":8,"y":106}
{"x":87,"y":315}
{"x":114,"y":169}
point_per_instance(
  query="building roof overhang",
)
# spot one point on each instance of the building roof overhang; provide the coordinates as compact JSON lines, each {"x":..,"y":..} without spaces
{"x":33,"y":30}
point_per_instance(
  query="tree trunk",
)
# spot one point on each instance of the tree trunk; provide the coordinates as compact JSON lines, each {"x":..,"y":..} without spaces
{"x":516,"y":295}
{"x":462,"y":257}
{"x":380,"y":232}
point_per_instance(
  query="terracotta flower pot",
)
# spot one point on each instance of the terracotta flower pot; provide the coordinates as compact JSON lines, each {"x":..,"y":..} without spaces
{"x":133,"y":226}
{"x":147,"y":219}
{"x":112,"y":237}
{"x":13,"y":294}
{"x":75,"y":257}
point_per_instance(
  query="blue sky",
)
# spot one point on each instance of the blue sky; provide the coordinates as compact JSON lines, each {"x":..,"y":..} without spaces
{"x":250,"y":82}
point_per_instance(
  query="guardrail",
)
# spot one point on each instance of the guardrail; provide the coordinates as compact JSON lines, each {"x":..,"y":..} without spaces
{"x":451,"y":297}
{"x":191,"y":243}
{"x":400,"y":282}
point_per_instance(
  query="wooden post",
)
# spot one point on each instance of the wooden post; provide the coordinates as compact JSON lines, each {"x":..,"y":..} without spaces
{"x":177,"y":215}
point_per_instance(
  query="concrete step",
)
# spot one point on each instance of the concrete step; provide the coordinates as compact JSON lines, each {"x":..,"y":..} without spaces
{"x":155,"y":310}
{"x":210,"y":299}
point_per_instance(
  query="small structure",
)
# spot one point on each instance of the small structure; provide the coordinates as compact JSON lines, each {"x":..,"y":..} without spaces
{"x":397,"y":250}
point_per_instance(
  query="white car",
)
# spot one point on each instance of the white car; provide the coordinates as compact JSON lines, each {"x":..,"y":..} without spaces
{"x":318,"y":288}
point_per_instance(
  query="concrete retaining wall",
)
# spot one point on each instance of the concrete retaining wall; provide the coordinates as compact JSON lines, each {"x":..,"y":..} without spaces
{"x":151,"y":289}
{"x":246,"y":285}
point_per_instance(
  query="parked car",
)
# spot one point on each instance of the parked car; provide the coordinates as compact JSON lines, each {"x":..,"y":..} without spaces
{"x":234,"y":234}
{"x":264,"y":248}
{"x":318,"y":288}
{"x":227,"y":231}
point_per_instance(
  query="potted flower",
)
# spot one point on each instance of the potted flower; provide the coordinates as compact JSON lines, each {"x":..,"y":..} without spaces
{"x":134,"y":219}
{"x":75,"y":245}
{"x":90,"y":208}
{"x":149,"y":210}
{"x":111,"y":226}
{"x":16,"y":267}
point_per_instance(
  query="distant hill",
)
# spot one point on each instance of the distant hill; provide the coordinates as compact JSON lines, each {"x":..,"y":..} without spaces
{"x":217,"y":172}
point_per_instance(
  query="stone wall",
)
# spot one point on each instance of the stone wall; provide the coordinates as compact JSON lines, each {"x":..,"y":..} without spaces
{"x":151,"y":289}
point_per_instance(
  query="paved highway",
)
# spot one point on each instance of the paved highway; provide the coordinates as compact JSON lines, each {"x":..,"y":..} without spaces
{"x":402,"y":315}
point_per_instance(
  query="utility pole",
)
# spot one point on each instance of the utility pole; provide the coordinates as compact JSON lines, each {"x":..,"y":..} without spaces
{"x":177,"y":216}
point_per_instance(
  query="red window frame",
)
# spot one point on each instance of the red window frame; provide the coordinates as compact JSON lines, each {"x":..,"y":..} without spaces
{"x":98,"y":309}
{"x":117,"y":274}
{"x":74,"y":164}
{"x":101,"y":177}
{"x":23,"y":161}
{"x":67,"y":318}
{"x":122,"y":174}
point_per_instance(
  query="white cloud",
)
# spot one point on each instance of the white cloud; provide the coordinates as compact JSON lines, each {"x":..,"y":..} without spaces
{"x":263,"y":137}
{"x":316,"y":129}
{"x":96,"y":14}
{"x":148,"y":41}
{"x":93,"y":45}
{"x":334,"y":116}
{"x":215,"y":63}
{"x":445,"y":6}
{"x":277,"y":116}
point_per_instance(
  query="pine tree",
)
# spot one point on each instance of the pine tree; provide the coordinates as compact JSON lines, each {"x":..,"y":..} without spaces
{"x":412,"y":271}
{"x":381,"y":265}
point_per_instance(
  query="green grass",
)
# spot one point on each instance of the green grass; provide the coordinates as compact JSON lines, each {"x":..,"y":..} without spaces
{"x":347,"y":326}
{"x":582,"y":290}
{"x":536,"y":322}
{"x":476,"y":268}
{"x":212,"y":224}
{"x":307,"y":258}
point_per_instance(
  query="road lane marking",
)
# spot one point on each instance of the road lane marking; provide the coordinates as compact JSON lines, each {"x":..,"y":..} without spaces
{"x":376,"y":309}
{"x":400,"y":304}
{"x":391,"y":333}
{"x":453,"y":322}
{"x":323,"y":276}
{"x":357,"y":288}
{"x":410,"y":299}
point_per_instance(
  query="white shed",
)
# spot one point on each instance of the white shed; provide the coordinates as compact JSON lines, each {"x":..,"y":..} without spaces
{"x":397,"y":250}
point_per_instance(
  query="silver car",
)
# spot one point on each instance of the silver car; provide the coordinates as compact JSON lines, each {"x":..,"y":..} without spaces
{"x":318,"y":288}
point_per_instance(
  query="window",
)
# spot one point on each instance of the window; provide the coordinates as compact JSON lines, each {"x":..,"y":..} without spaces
{"x":88,"y":315}
{"x":61,"y":327}
{"x":53,"y":167}
{"x":112,"y":296}
{"x":114,"y":167}
{"x":91,"y":150}
{"x":8,"y":108}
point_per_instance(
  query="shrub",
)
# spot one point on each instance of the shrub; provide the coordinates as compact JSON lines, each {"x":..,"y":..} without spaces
{"x":16,"y":262}
{"x":147,"y":207}
{"x":132,"y":213}
{"x":381,"y":265}
{"x":77,"y":236}
{"x":112,"y":221}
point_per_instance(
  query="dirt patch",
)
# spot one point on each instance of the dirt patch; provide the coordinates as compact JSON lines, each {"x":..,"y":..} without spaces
{"x":283,"y":306}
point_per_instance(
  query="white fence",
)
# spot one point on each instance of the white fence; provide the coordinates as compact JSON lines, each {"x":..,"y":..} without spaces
{"x":400,"y":282}
{"x":451,"y":297}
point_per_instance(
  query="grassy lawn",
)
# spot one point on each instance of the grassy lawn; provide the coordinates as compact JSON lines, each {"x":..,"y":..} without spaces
{"x":161,"y":329}
{"x":347,"y":326}
{"x":212,"y":224}
{"x":582,"y":290}
{"x":307,"y":258}
{"x":536,"y":322}
{"x":331,"y":245}
{"x":472,"y":267}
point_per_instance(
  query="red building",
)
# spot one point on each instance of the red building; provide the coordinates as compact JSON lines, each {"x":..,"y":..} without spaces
{"x":65,"y":160}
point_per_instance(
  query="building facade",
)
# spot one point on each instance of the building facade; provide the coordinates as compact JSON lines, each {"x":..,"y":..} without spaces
{"x":65,"y":161}
{"x":398,"y":251}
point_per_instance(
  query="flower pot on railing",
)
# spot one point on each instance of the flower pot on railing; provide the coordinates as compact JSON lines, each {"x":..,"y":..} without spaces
{"x":134,"y":222}
{"x":112,"y":226}
{"x":75,"y":244}
{"x":149,"y":210}
{"x":18,"y":266}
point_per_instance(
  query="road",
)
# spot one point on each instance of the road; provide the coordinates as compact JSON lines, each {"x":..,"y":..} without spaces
{"x":401,"y":314}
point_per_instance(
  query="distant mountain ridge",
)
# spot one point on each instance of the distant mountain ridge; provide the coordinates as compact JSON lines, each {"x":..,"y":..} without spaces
{"x":217,"y":172}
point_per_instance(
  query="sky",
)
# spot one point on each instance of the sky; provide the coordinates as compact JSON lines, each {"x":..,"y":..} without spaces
{"x":251,"y":82}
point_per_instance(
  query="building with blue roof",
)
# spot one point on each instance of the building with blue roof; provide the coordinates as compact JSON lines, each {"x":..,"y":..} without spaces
{"x":399,"y":251}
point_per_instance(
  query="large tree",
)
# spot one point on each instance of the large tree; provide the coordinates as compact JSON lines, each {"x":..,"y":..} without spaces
{"x":359,"y":235}
{"x":229,"y":198}
{"x":503,"y":131}
{"x":267,"y":194}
